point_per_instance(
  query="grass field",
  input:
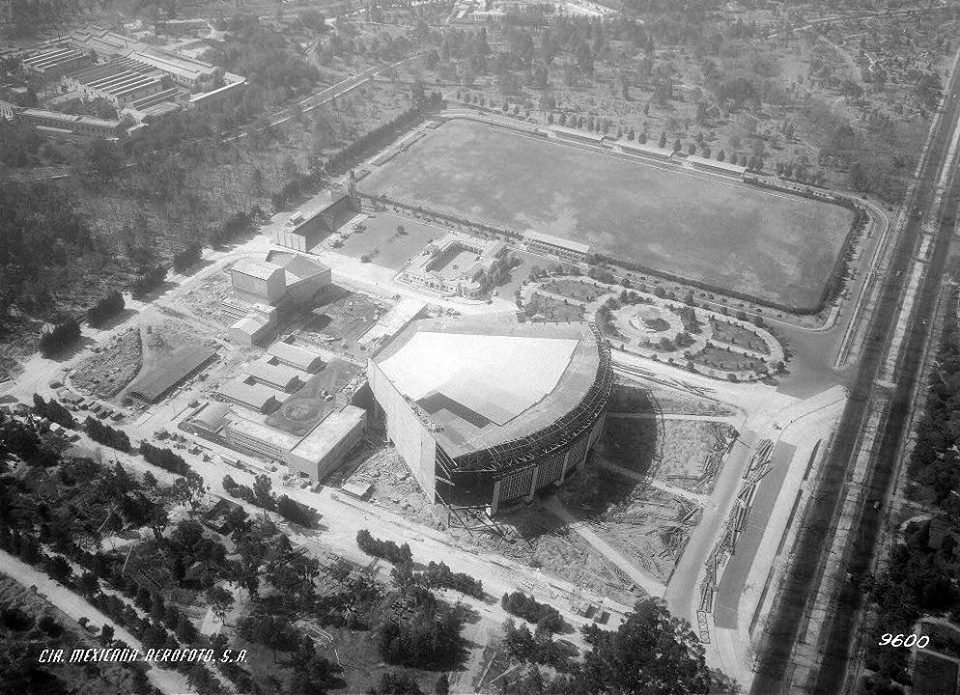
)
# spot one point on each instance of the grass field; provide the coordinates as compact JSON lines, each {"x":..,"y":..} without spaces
{"x":776,"y":247}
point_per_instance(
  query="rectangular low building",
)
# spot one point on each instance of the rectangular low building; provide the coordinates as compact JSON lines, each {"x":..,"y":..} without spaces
{"x":716,"y":166}
{"x":324,"y":448}
{"x":296,"y":357}
{"x":538,"y":242}
{"x":259,"y":438}
{"x":577,"y":135}
{"x":275,"y":374}
{"x":55,"y":122}
{"x":645,"y":150}
{"x":256,"y":397}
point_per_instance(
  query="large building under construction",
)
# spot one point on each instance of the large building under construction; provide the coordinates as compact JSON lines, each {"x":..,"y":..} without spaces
{"x":485,"y":412}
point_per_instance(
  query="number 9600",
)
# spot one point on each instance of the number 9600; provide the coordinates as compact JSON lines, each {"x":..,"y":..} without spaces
{"x":919,"y":641}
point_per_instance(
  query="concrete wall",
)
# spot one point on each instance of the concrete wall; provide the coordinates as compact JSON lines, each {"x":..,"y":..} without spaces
{"x":318,"y":470}
{"x":254,"y":289}
{"x":306,"y":289}
{"x":414,"y":442}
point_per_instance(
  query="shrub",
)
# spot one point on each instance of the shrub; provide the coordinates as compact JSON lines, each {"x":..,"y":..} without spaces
{"x":59,"y":337}
{"x":105,"y":309}
{"x":528,"y":608}
{"x":388,"y":550}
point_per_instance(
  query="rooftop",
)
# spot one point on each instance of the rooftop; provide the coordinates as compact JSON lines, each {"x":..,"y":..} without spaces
{"x":332,"y":429}
{"x":490,"y":382}
{"x":552,"y":240}
{"x":255,"y":268}
{"x":297,"y":356}
{"x":301,"y":268}
{"x":255,"y":396}
{"x":573,"y":132}
{"x":170,"y":369}
{"x":713,"y":163}
{"x":263,"y":433}
{"x":211,"y":416}
{"x":283,"y":374}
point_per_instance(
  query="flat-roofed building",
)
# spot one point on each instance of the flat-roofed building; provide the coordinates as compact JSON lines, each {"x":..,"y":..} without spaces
{"x":219,"y":97}
{"x":323,"y":449}
{"x":275,"y":374}
{"x":257,"y":281}
{"x":256,"y":397}
{"x":538,"y":242}
{"x":296,"y":356}
{"x":577,"y":135}
{"x":645,"y":149}
{"x":458,"y":264}
{"x":259,"y":438}
{"x":715,"y":166}
{"x":55,"y":123}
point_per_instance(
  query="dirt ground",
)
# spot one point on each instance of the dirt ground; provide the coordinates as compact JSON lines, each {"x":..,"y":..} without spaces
{"x":340,"y":322}
{"x":630,"y":397}
{"x":691,"y":453}
{"x":205,"y":301}
{"x":393,"y":487}
{"x":649,"y":525}
{"x":112,"y":367}
{"x":538,"y":539}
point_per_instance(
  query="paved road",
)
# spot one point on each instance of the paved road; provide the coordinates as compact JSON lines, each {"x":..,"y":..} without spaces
{"x":683,"y":594}
{"x":735,"y":574}
{"x":775,"y":656}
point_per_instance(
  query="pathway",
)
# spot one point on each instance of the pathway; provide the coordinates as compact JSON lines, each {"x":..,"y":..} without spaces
{"x":694,"y":497}
{"x":647,"y":583}
{"x":76,"y":607}
{"x":730,"y":419}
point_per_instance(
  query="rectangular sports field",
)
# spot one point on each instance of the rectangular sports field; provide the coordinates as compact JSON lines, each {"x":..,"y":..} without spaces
{"x":774,"y":246}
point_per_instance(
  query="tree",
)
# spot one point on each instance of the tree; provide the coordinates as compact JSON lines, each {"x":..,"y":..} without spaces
{"x":186,"y":632}
{"x":651,"y":651}
{"x":677,"y":146}
{"x":262,"y":493}
{"x":398,"y":683}
{"x":663,"y":140}
{"x":59,"y":569}
{"x":106,"y":633}
{"x":106,"y":308}
{"x":443,"y":685}
{"x":60,"y":337}
{"x":220,"y":600}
